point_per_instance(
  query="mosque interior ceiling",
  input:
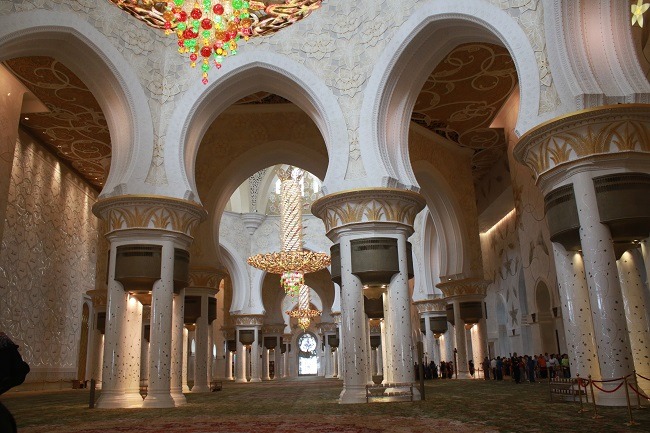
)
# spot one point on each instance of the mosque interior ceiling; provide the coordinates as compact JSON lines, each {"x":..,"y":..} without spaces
{"x":459,"y":101}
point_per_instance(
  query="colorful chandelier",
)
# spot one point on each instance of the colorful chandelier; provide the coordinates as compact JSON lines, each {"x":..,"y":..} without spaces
{"x":211,"y":30}
{"x":292,"y":262}
{"x":208,"y":30}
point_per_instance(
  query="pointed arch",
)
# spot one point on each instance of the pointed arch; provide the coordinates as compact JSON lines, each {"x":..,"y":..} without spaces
{"x":250,"y":72}
{"x":419,"y":44}
{"x":103,"y":69}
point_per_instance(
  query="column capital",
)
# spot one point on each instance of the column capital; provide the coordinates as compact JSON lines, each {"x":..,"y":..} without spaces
{"x":327,"y":327}
{"x":248,"y":320}
{"x":98,"y":297}
{"x":206,"y":277}
{"x":149,"y":212}
{"x":465,"y":289}
{"x":431,"y":305}
{"x":606,"y":132}
{"x":273,"y":329}
{"x":368,"y":205}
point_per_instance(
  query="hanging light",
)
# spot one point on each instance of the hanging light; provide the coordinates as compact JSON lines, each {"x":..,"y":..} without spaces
{"x":292,"y":262}
{"x":209,"y":29}
{"x":637,"y":12}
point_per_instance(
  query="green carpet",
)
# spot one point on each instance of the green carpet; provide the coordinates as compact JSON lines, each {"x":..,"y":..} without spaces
{"x":310,"y":406}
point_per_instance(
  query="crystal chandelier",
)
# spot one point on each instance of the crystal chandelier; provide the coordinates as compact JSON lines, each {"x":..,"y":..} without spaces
{"x":292,"y":263}
{"x":210,"y":29}
{"x":213,"y":29}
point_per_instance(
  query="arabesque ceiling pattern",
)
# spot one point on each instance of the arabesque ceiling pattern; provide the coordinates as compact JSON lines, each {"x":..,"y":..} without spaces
{"x":74,"y":128}
{"x":459,"y":101}
{"x":463,"y":95}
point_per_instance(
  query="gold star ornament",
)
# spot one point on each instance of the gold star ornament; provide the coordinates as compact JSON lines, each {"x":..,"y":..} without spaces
{"x":637,"y":12}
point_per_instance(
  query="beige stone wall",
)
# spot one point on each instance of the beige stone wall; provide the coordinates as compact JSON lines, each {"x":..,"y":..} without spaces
{"x":47,"y":260}
{"x":454,"y":165}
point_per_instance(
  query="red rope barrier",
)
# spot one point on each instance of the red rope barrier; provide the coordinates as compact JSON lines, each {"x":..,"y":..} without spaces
{"x":604,"y":390}
{"x":610,"y":380}
{"x":640,"y":394}
{"x":585,"y":381}
{"x":643,"y":377}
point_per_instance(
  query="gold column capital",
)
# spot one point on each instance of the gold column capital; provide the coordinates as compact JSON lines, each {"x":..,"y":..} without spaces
{"x":466,"y":288}
{"x":368,"y":205}
{"x":601,"y":131}
{"x":149,"y":212}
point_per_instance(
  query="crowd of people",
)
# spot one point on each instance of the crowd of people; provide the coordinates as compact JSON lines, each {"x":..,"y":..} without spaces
{"x":527,"y":368}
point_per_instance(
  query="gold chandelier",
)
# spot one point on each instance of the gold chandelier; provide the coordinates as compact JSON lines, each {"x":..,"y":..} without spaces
{"x":292,"y":262}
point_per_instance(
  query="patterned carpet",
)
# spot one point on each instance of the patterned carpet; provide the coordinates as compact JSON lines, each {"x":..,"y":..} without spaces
{"x":310,"y":406}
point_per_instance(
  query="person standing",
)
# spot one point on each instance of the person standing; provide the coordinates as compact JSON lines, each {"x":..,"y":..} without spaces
{"x":13,"y":371}
{"x":485,"y":365}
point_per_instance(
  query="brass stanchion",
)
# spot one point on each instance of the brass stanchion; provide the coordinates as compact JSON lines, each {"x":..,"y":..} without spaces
{"x":593,"y":398}
{"x":91,"y":403}
{"x":629,"y":406}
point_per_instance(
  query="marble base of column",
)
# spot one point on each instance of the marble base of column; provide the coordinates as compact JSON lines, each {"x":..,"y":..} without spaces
{"x":159,"y":400}
{"x":119,"y":400}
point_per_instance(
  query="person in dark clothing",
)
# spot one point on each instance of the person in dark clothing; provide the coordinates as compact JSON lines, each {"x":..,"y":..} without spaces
{"x":499,"y":371}
{"x":12,"y":373}
{"x":471,"y":367}
{"x":443,"y":369}
{"x":514,"y":366}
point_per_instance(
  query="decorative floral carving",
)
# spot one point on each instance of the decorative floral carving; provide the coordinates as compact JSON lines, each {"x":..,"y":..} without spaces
{"x":612,"y":129}
{"x":149,"y":212}
{"x":468,"y":287}
{"x":248,"y":320}
{"x":428,"y":306}
{"x":371,"y":205}
{"x":206,"y":277}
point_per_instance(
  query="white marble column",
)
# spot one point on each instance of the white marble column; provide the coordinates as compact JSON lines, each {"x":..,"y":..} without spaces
{"x":160,"y":343}
{"x":229,"y":359}
{"x":186,"y":334}
{"x":256,"y":375}
{"x":202,"y":349}
{"x":144,"y":359}
{"x":387,"y":342}
{"x":635,"y":296}
{"x":607,"y":307}
{"x":277,"y":352}
{"x":645,"y":250}
{"x":178,"y":348}
{"x":384,"y":339}
{"x":265,"y":364}
{"x":97,"y":359}
{"x":329,"y":373}
{"x":479,"y":344}
{"x":461,"y":344}
{"x":240,"y":366}
{"x":121,"y":359}
{"x":430,"y":339}
{"x":576,"y":312}
{"x":354,"y":368}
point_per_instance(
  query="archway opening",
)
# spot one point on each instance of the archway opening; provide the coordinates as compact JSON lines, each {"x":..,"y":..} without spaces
{"x":307,"y":355}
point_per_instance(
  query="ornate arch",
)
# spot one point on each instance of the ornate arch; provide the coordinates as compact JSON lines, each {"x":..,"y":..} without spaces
{"x":108,"y":75}
{"x":592,"y":54}
{"x":247,"y":73}
{"x":451,"y":238}
{"x":421,"y":42}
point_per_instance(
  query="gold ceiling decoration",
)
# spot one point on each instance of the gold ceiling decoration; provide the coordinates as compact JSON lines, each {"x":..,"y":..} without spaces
{"x":74,"y":127}
{"x":463,"y":95}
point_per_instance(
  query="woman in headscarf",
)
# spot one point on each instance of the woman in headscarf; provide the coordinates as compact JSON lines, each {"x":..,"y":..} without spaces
{"x":12,"y":373}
